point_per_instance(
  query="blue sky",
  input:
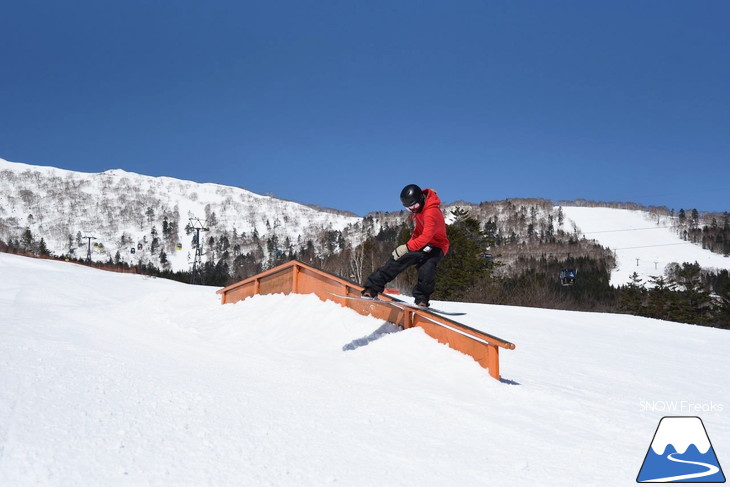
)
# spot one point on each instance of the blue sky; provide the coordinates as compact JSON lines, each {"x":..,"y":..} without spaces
{"x":341,"y":103}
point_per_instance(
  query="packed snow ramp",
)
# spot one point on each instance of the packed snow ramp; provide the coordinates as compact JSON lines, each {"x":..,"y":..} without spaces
{"x":296,"y":277}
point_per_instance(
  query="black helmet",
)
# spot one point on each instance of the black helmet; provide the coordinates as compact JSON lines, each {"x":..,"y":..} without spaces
{"x":412,"y":195}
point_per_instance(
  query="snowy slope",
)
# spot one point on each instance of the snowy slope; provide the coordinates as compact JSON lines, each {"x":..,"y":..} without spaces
{"x":643,"y":243}
{"x":117,"y":205}
{"x":111,"y":379}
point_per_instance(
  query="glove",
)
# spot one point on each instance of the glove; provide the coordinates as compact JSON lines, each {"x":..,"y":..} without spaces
{"x":400,"y":251}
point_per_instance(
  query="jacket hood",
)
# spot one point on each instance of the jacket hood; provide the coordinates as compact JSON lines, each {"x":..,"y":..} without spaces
{"x":432,"y":199}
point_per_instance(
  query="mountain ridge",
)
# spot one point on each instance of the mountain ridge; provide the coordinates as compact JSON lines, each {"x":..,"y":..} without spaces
{"x":141,"y":219}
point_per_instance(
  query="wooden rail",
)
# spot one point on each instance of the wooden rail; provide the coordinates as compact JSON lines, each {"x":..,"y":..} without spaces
{"x":296,"y":277}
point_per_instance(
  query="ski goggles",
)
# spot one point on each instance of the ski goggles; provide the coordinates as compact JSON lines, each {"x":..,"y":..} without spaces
{"x":414,"y":207}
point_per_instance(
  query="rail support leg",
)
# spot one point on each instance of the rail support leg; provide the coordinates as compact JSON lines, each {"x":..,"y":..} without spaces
{"x":493,"y":361}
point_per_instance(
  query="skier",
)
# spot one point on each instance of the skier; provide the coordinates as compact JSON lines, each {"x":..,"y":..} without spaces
{"x":425,"y":249}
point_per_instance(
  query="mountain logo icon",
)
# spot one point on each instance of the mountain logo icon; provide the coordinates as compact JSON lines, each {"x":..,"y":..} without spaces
{"x":681,"y":452}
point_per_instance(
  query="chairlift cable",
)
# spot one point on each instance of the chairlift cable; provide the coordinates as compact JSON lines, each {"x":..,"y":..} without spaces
{"x":624,"y":230}
{"x":657,"y":245}
{"x":588,"y":251}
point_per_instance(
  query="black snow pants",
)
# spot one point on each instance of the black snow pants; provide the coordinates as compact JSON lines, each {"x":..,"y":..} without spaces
{"x":425,"y":262}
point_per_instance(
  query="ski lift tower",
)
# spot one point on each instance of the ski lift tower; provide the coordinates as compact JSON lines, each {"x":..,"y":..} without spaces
{"x":88,"y":251}
{"x":196,"y":276}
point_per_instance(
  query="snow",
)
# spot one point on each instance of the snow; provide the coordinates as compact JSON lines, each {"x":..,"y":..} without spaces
{"x":56,"y":203}
{"x":120,"y":380}
{"x":643,"y":243}
{"x":681,"y":433}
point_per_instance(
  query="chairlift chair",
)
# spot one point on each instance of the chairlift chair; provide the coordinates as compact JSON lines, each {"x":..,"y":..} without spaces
{"x":567,"y":277}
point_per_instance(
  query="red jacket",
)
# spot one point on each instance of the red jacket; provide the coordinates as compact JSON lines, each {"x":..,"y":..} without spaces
{"x":430,"y":225}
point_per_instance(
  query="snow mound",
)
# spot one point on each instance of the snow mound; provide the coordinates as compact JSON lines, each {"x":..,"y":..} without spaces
{"x":113,"y":379}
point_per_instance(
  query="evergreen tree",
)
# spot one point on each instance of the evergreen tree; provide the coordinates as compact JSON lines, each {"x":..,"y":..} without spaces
{"x":692,"y":301}
{"x":43,"y":248}
{"x":721,"y":312}
{"x":155,"y":241}
{"x":694,"y":217}
{"x":26,"y":241}
{"x":659,"y":298}
{"x":682,"y":216}
{"x":465,"y":264}
{"x":631,"y":296}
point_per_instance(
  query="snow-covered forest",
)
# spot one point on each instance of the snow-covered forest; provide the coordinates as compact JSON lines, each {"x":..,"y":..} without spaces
{"x":507,"y":252}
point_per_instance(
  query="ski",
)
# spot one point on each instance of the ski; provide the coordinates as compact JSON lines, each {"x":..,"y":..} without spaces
{"x":402,"y":304}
